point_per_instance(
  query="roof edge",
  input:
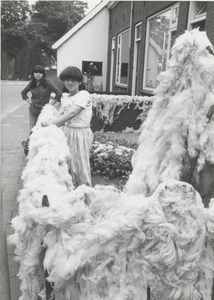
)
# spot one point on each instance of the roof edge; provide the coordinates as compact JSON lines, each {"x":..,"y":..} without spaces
{"x":80,"y":24}
{"x":112,"y":4}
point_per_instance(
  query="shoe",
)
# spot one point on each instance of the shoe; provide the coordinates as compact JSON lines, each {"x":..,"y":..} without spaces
{"x":25,"y":146}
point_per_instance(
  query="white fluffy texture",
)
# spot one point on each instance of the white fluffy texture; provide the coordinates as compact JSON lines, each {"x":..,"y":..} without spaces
{"x":46,"y":173}
{"x":105,"y":105}
{"x":209,"y":214}
{"x":104,"y":244}
{"x":177,"y":124}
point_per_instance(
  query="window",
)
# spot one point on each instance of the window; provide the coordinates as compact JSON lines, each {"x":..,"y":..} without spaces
{"x":136,"y":58}
{"x":122,"y":58}
{"x":138,"y":29}
{"x":161,"y":35}
{"x":92,"y":66}
{"x":197,"y":15}
{"x":113,"y":41}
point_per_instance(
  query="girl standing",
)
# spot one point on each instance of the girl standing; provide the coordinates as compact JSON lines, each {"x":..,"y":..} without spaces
{"x":41,"y":89}
{"x":76,"y":114}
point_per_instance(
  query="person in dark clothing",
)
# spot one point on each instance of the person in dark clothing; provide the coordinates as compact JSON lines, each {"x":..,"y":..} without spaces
{"x":41,"y":90}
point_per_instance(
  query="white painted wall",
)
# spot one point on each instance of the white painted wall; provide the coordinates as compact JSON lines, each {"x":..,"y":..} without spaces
{"x":89,"y":43}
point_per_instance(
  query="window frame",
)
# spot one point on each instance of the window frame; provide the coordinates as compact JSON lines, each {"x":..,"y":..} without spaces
{"x":138,"y":25}
{"x":119,"y":53}
{"x":113,"y":48}
{"x":173,"y":27}
{"x":192,"y":18}
{"x":136,"y":53}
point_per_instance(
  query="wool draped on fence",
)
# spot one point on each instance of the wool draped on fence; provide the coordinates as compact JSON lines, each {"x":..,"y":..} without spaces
{"x":99,"y":243}
{"x":109,"y":107}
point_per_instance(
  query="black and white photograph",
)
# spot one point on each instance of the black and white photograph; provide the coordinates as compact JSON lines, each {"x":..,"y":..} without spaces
{"x":107,"y":150}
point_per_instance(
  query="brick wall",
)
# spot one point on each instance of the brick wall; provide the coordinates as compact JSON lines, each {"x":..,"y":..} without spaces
{"x":127,"y":118}
{"x":119,"y":22}
{"x":210,"y":21}
{"x":125,"y":109}
{"x":183,"y":17}
{"x":120,"y":17}
{"x":153,"y":7}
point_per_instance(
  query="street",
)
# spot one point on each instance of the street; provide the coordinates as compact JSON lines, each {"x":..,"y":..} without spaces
{"x":14,"y":129}
{"x":11,"y":96}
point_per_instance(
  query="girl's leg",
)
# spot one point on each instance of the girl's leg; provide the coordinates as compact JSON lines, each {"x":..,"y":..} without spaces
{"x":32,"y":119}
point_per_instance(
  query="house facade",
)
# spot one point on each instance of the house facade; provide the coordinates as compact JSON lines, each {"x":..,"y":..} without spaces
{"x":132,"y":41}
{"x":87,"y":43}
{"x":141,"y":35}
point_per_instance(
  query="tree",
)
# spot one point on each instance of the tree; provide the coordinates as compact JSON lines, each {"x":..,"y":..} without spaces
{"x":13,"y":16}
{"x":55,"y":18}
{"x":13,"y":11}
{"x":28,"y":33}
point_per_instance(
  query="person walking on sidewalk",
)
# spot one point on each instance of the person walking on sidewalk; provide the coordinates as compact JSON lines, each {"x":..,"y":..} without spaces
{"x":41,"y":90}
{"x":76,"y":114}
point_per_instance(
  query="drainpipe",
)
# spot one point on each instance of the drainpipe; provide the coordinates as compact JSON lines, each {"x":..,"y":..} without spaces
{"x":130,"y":52}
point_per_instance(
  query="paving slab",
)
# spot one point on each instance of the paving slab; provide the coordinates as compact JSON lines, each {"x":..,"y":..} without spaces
{"x":14,"y":129}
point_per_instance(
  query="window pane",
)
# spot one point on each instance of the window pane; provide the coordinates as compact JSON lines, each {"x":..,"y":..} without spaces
{"x":173,"y":38}
{"x":158,"y":47}
{"x":200,"y":25}
{"x":138,"y":32}
{"x":92,"y":67}
{"x":201,"y":7}
{"x":175,"y":14}
{"x":118,"y":66}
{"x":124,"y":58}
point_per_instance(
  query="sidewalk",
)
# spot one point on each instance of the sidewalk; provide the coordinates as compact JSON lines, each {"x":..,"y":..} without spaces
{"x":14,"y":129}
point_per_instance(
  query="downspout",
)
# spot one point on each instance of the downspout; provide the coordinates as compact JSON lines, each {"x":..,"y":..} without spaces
{"x":130,"y":52}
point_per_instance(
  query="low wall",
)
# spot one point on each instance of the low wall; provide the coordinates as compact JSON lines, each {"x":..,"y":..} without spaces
{"x":117,"y":112}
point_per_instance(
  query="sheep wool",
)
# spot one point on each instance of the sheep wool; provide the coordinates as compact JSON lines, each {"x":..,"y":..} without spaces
{"x":45,"y":181}
{"x":100,"y":243}
{"x":177,"y":130}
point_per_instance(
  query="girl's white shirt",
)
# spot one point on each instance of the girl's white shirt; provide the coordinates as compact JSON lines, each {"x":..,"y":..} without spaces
{"x":82,"y":99}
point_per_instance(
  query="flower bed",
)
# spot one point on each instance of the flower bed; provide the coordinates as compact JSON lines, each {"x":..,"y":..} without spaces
{"x":111,"y":157}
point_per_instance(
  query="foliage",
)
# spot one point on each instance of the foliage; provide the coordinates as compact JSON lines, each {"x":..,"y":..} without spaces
{"x":28,"y":33}
{"x":89,"y":76}
{"x":13,"y":12}
{"x":58,"y":82}
{"x":111,"y":160}
{"x":104,"y":139}
{"x":56,"y":18}
{"x":111,"y":157}
{"x":13,"y":17}
{"x":13,"y":39}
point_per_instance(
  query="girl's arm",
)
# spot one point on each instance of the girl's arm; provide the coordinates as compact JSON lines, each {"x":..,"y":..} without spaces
{"x":25,"y":91}
{"x":65,"y":117}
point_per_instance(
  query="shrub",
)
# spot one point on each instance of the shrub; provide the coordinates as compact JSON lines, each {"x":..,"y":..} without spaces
{"x":105,"y":138}
{"x":111,"y":157}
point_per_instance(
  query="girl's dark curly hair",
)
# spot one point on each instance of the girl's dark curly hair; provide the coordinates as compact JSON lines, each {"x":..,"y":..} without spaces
{"x":41,"y":70}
